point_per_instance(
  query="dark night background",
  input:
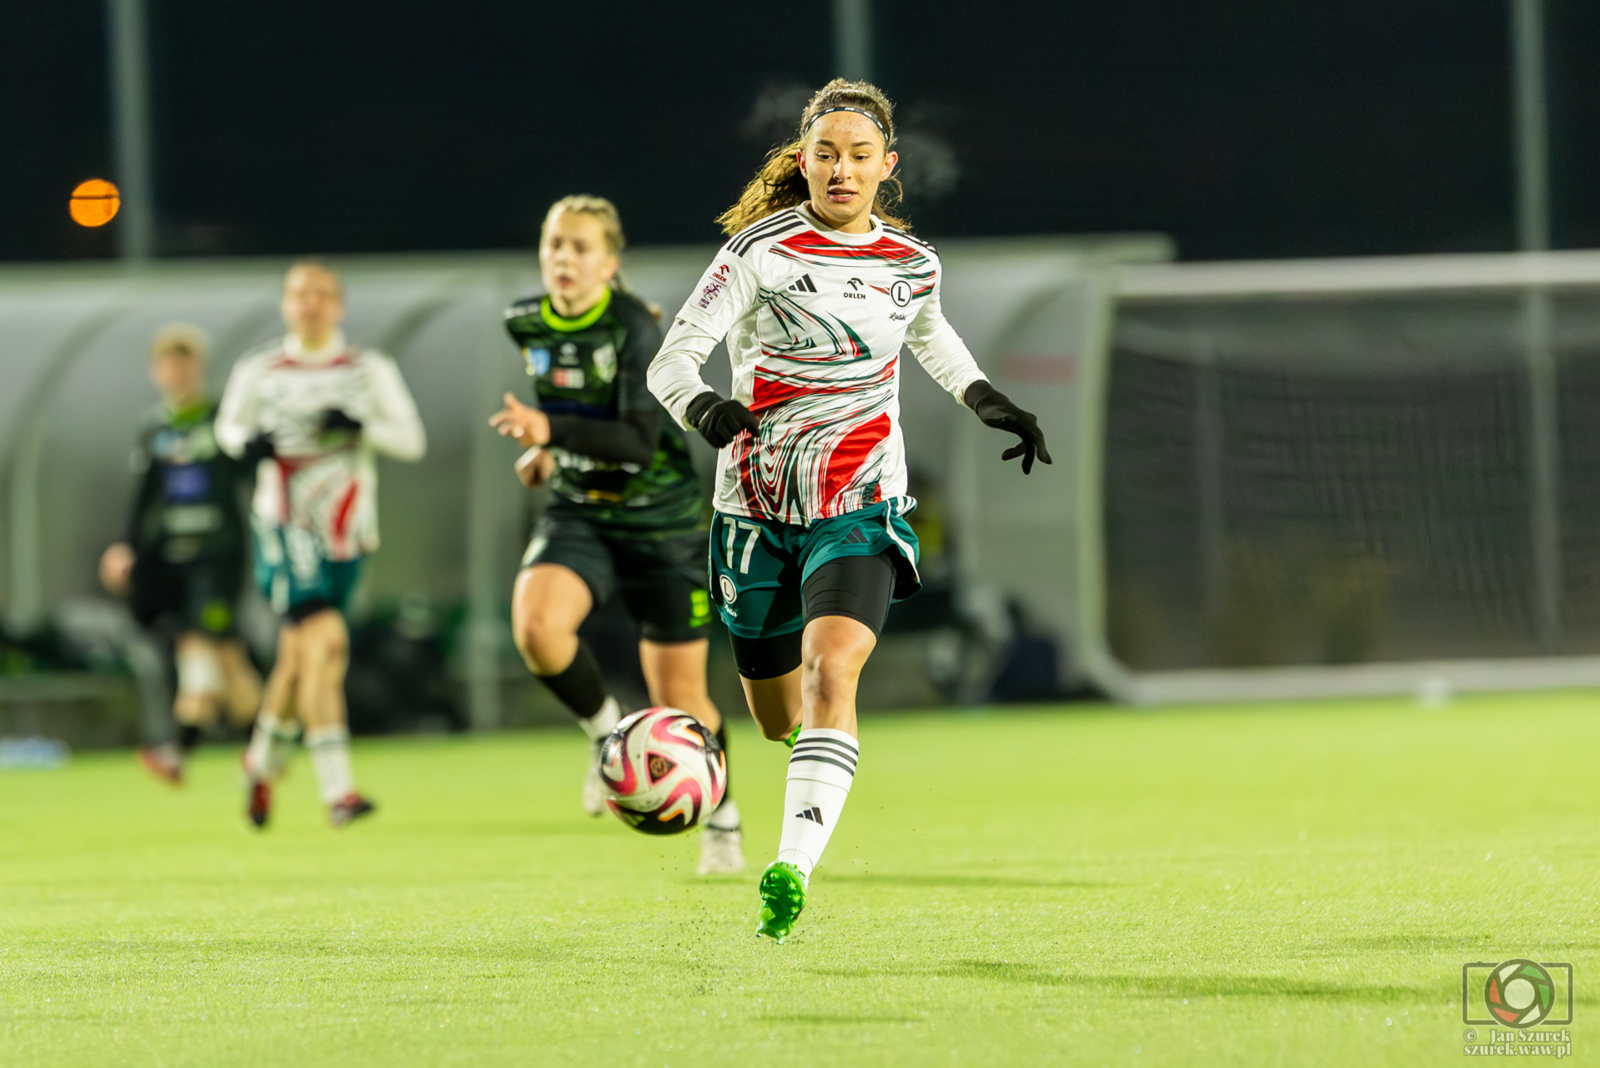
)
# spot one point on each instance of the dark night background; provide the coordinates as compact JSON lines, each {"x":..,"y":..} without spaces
{"x":1243,"y":128}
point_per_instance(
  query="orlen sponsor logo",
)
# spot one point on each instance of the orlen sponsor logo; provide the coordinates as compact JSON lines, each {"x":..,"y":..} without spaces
{"x":719,"y":282}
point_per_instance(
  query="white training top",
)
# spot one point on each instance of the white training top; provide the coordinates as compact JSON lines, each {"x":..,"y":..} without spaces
{"x":321,"y":483}
{"x":815,"y":319}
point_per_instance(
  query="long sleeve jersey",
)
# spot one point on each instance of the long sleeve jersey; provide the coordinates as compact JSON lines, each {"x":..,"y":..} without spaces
{"x":815,"y":320}
{"x":620,"y":462}
{"x":322,"y":481}
{"x":187,"y":505}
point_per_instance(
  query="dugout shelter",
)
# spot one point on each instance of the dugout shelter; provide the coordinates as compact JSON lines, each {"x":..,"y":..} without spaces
{"x":74,"y":342}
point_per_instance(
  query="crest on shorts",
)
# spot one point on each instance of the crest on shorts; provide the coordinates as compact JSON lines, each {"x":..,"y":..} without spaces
{"x":730,"y":592}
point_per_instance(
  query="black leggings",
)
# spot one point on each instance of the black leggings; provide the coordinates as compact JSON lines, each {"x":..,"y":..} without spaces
{"x":857,"y":587}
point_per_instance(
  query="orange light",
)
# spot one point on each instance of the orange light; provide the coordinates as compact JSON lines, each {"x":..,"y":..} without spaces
{"x":94,"y":203}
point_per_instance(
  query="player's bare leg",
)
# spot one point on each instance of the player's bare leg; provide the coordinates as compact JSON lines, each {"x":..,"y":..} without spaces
{"x":201,"y":684}
{"x":676,"y":675}
{"x":548,"y":604}
{"x":241,"y":683}
{"x":324,"y":659}
{"x":833,"y":651}
{"x":775,"y":704}
{"x":276,"y":729}
{"x":201,"y":680}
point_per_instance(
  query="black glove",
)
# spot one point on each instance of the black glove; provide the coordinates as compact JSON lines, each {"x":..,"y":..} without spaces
{"x":996,"y":410}
{"x":259,"y":448}
{"x":720,"y":421}
{"x":338,"y":419}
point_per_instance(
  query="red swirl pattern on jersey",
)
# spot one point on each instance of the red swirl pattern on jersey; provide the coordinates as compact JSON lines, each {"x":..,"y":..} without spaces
{"x":814,"y":320}
{"x":826,"y":425}
{"x":811,"y":245}
{"x":825,"y":438}
{"x":320,"y":481}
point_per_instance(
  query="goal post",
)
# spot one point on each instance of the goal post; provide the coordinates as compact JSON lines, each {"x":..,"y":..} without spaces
{"x":1321,"y":478}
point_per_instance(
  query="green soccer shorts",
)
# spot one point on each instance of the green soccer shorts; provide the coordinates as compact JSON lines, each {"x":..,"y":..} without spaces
{"x":294,"y":576}
{"x":759,"y":566}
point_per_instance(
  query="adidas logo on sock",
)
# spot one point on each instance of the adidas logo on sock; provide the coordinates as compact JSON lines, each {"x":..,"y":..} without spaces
{"x":814,"y":814}
{"x":802,"y":286}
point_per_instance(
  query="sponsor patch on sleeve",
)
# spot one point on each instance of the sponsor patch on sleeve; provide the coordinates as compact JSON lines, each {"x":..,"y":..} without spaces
{"x":714,"y":286}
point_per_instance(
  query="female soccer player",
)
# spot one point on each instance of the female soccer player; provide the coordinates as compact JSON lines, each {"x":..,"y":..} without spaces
{"x":312,"y":410}
{"x":627,"y":511}
{"x":816,"y":292}
{"x":183,"y":555}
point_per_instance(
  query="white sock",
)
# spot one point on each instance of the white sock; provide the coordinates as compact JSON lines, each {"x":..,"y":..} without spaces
{"x":330,"y":759}
{"x":602,"y":722}
{"x":821,"y":769}
{"x":270,"y":745}
{"x":726,"y":817}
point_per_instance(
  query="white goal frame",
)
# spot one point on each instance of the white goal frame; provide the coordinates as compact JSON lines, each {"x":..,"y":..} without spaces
{"x":1535,"y":275}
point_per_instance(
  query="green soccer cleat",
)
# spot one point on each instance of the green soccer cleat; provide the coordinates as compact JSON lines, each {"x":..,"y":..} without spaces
{"x":783,"y":895}
{"x":794,"y":736}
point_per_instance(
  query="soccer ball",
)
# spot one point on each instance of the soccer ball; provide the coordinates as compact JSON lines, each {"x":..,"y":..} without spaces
{"x":663,"y":770}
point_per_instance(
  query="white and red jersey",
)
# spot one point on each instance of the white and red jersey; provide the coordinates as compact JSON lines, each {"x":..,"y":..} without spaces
{"x":323,"y":483}
{"x":815,"y":320}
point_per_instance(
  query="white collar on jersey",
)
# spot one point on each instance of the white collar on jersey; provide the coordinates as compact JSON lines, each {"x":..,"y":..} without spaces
{"x":839,"y":235}
{"x":295,"y":350}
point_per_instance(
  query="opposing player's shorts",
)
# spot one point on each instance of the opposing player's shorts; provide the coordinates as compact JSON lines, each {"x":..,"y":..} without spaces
{"x":758,"y":566}
{"x":660,"y":574}
{"x":294,"y":576}
{"x":197,"y":595}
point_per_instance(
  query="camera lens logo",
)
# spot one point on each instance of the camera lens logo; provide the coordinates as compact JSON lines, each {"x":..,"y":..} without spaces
{"x":1519,"y":993}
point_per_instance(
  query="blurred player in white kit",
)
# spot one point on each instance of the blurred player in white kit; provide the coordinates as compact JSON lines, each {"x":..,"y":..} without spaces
{"x":311,"y":411}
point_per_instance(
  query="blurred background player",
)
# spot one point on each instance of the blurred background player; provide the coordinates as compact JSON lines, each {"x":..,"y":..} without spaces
{"x":627,"y":515}
{"x":311,"y":411}
{"x":816,"y":292}
{"x":182,"y":558}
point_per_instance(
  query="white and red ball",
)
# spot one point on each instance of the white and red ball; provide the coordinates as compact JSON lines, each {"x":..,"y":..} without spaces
{"x":664,"y":771}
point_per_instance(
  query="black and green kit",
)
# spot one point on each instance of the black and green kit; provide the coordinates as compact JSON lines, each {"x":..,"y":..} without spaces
{"x":187,"y":523}
{"x":627,"y":514}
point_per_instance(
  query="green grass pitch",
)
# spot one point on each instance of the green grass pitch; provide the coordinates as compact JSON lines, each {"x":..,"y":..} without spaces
{"x":1291,"y":885}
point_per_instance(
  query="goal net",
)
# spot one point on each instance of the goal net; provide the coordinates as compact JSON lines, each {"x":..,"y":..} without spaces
{"x":1365,"y":476}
